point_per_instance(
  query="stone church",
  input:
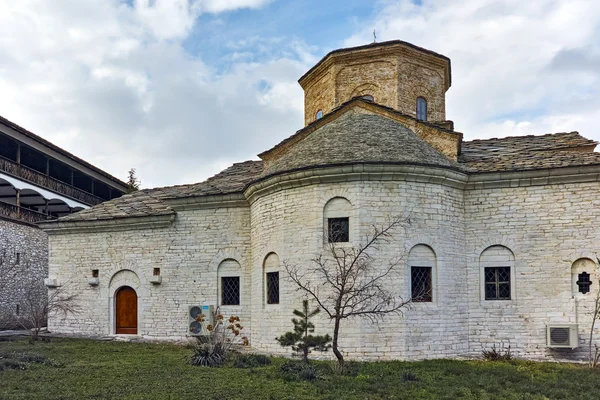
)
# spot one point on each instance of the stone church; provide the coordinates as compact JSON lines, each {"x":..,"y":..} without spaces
{"x":503,"y":237}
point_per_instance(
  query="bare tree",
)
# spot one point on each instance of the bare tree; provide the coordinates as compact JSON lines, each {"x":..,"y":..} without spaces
{"x":348,"y":284}
{"x":36,"y":308}
{"x":8,"y":269}
{"x":8,"y":272}
{"x":594,"y":357}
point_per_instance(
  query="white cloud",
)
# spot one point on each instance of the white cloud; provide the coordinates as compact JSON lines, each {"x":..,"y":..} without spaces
{"x":218,"y":6}
{"x":167,"y":19}
{"x":113,"y":85}
{"x":518,"y":67}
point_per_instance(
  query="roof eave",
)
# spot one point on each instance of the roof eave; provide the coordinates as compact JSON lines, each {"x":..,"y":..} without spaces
{"x":61,"y":151}
{"x":329,"y":55}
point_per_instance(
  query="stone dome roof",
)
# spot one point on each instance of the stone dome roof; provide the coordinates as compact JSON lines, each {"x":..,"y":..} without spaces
{"x":358,"y":137}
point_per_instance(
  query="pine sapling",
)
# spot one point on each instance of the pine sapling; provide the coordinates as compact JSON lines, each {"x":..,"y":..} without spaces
{"x":300,"y":340}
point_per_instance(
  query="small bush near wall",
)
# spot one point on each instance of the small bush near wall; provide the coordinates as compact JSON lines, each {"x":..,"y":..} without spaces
{"x":249,"y":360}
{"x":497,"y":355}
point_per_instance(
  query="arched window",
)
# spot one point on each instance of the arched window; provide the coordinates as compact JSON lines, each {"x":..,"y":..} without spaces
{"x":368,"y":97}
{"x":497,"y":268}
{"x":228,"y":275}
{"x":271,"y":278}
{"x":337,"y":220}
{"x":421,"y":109}
{"x":422,"y":264}
{"x":319,"y":114}
{"x":583,"y":276}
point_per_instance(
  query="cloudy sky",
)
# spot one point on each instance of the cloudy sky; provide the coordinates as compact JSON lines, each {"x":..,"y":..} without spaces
{"x":180,"y":89}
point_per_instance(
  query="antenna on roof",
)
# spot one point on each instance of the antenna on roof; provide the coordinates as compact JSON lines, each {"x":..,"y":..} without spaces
{"x":374,"y":36}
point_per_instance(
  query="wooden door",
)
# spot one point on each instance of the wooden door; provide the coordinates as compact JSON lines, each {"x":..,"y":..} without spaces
{"x":126,"y":311}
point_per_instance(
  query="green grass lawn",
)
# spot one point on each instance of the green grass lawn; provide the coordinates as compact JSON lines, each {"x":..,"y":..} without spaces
{"x":85,"y":369}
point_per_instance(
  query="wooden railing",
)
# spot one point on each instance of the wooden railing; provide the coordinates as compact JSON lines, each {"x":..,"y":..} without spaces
{"x":48,"y":182}
{"x":23,"y":214}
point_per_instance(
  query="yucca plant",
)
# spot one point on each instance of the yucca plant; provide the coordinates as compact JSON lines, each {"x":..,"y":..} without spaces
{"x":211,"y":350}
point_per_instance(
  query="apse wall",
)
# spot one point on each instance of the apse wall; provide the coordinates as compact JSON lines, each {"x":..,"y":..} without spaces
{"x":291,"y":223}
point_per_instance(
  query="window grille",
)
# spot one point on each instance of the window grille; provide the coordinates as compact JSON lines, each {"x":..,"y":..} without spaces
{"x":272,"y":287}
{"x":421,"y":109}
{"x":338,"y":230}
{"x":421,"y":284}
{"x":584,"y":282}
{"x":230,"y":290}
{"x":497,"y":283}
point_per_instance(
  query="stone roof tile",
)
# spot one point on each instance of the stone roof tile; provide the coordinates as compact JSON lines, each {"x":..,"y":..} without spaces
{"x":137,"y":204}
{"x":357,"y":137}
{"x":528,"y":152}
{"x":147,"y":202}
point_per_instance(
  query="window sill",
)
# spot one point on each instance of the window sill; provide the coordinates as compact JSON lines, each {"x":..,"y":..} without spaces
{"x":339,"y":245}
{"x":497,"y":303}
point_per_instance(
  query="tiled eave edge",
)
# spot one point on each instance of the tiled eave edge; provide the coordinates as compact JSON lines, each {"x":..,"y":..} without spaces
{"x":356,"y":172}
{"x":534,"y":177}
{"x":445,"y":176}
{"x":109,"y":225}
{"x":230,"y":200}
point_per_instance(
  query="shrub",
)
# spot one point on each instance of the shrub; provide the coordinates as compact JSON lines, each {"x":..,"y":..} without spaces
{"x":409,"y":376}
{"x":495,"y":355}
{"x":22,"y":360}
{"x":12,"y":364}
{"x":348,"y":368}
{"x":299,"y":371}
{"x":250,"y":360}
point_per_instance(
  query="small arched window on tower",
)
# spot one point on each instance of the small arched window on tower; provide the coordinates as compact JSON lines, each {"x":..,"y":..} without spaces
{"x":421,"y":109}
{"x":368,"y":97}
{"x":319,"y":114}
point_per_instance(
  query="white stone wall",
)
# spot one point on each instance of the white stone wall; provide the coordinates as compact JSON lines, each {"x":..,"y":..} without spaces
{"x":538,"y":231}
{"x":187,"y":253}
{"x":291,"y":224}
{"x":547,"y":228}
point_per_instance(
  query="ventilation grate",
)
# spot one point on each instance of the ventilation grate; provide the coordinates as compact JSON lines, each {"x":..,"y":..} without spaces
{"x":559,"y":336}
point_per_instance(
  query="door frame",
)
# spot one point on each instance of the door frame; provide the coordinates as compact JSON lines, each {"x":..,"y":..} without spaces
{"x":116,"y":294}
{"x":112,"y":312}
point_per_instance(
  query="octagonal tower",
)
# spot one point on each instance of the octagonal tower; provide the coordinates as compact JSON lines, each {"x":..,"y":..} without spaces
{"x":395,"y":74}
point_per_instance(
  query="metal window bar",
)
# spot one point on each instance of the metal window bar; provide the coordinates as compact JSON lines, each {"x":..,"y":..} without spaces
{"x":272,"y":287}
{"x":497,"y":283}
{"x":421,"y":284}
{"x":338,"y":230}
{"x":584,"y":282}
{"x":230,"y":290}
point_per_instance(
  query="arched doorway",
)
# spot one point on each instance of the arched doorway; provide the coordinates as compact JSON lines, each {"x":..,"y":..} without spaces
{"x":126,"y":311}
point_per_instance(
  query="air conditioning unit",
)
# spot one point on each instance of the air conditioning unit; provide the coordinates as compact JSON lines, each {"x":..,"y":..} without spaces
{"x":562,"y":336}
{"x":196,"y":327}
